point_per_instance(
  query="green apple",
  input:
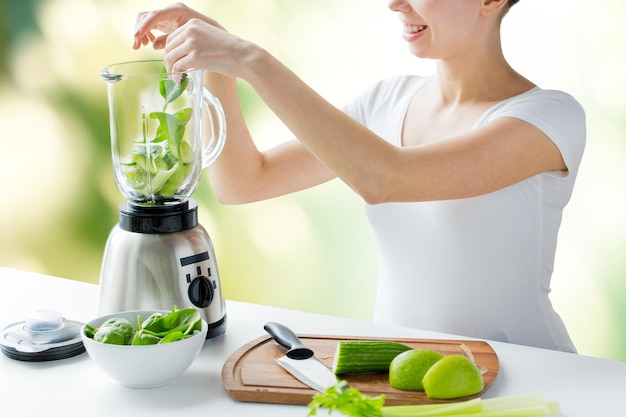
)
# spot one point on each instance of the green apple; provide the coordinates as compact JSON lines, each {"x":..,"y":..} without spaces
{"x":408,"y":368}
{"x":454,"y":376}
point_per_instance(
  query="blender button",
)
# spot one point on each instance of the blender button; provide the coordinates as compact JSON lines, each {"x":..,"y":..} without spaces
{"x":201,"y":292}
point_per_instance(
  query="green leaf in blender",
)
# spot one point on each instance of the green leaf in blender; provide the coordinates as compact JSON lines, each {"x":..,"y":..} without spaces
{"x":172,"y":128}
{"x":176,"y":180}
{"x":161,"y":178}
{"x":170,"y":90}
{"x":187,"y":156}
{"x":150,"y":157}
{"x":136,"y":176}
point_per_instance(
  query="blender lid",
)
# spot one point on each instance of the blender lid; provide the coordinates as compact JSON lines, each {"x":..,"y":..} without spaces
{"x":44,"y":336}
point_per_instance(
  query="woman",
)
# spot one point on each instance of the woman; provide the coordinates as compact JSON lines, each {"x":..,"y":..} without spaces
{"x":465,"y":173}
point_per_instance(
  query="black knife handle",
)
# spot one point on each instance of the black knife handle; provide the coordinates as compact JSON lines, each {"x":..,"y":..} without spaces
{"x":288,"y":339}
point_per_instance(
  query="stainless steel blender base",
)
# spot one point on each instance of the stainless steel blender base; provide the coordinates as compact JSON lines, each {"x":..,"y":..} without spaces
{"x":159,"y":271}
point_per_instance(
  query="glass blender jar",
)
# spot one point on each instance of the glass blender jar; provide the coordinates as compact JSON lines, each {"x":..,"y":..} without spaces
{"x":165,"y":128}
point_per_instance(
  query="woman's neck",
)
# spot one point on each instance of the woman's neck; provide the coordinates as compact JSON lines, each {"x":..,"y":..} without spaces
{"x":482,"y":76}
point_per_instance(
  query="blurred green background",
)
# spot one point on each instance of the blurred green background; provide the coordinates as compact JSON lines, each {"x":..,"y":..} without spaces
{"x":311,"y":251}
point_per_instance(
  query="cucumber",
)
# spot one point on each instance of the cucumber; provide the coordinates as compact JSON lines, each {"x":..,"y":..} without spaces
{"x":365,"y":356}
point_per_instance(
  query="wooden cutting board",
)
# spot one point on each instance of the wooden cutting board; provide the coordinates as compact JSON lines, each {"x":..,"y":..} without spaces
{"x":252,"y":374}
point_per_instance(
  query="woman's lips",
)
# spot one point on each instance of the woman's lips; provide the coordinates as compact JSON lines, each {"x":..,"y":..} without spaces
{"x":412,"y":32}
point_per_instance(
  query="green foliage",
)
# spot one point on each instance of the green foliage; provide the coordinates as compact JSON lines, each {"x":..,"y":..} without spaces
{"x":170,"y":90}
{"x":347,"y":400}
{"x":156,"y":329}
{"x":115,"y":331}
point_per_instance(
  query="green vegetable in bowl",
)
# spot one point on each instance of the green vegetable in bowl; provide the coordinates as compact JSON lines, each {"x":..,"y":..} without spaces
{"x":171,"y":327}
{"x":186,"y":320}
{"x":115,"y":331}
{"x":156,"y":329}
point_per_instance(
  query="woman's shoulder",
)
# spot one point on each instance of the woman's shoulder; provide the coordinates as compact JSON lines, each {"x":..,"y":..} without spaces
{"x":397,"y":85}
{"x":538,"y":100}
{"x":385,"y":95}
{"x":542,"y":107}
{"x":558,"y":114}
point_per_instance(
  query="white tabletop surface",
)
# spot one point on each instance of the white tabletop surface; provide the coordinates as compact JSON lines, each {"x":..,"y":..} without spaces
{"x":584,"y":386}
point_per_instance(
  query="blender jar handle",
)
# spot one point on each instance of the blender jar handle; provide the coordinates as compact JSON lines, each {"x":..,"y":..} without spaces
{"x":214,"y":146}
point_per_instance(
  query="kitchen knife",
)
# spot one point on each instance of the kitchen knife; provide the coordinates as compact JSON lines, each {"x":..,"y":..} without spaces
{"x":299,"y":360}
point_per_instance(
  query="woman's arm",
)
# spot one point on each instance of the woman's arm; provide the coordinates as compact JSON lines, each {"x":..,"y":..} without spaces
{"x":499,"y":154}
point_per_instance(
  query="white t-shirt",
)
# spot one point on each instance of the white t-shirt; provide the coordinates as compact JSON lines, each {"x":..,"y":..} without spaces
{"x":479,"y":266}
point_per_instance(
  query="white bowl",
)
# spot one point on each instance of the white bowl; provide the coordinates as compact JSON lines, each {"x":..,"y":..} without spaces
{"x":145,"y":366}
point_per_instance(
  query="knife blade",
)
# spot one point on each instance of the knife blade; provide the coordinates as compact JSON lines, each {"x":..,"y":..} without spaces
{"x":299,"y":360}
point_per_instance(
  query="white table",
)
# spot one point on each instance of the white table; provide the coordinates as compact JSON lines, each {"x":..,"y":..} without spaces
{"x":584,"y":386}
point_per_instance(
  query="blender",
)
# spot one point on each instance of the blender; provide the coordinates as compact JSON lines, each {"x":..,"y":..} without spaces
{"x":165,"y":128}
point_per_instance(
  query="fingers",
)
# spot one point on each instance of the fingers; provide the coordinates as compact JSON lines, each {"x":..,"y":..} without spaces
{"x":164,"y":20}
{"x":143,"y":40}
{"x":175,"y":50}
{"x":142,"y":36}
{"x":159,"y":42}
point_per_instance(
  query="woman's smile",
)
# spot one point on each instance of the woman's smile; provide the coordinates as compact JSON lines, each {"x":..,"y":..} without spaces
{"x":412,"y":32}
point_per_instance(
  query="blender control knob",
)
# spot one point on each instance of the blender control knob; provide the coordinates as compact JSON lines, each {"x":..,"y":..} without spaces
{"x":201,"y":291}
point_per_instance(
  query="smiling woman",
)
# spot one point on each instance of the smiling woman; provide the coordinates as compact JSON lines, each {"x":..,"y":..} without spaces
{"x":334,"y":253}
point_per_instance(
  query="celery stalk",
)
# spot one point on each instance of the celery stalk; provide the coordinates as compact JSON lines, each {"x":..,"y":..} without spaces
{"x":470,"y":406}
{"x":351,"y":402}
{"x":551,"y":406}
{"x":512,"y":401}
{"x":514,"y":406}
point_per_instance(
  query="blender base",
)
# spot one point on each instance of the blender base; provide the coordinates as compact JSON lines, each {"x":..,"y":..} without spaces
{"x":160,"y":271}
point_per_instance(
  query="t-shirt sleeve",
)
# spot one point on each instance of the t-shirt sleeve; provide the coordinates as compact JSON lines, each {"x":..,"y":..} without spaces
{"x":384,"y":95}
{"x":363,"y":106}
{"x":559,"y":116}
{"x":382,"y":107}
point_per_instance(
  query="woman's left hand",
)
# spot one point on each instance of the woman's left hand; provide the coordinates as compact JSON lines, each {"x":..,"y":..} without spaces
{"x":207,"y":45}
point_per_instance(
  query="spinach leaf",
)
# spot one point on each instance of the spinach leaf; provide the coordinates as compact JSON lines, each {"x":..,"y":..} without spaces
{"x":170,"y":90}
{"x":141,"y":339}
{"x":172,"y":128}
{"x":185,"y":321}
{"x":172,"y":337}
